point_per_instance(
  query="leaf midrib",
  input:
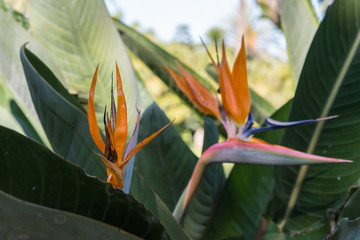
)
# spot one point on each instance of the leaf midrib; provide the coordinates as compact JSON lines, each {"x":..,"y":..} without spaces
{"x":339,"y":80}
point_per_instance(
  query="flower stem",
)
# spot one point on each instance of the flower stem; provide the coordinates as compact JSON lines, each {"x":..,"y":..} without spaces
{"x":294,"y":195}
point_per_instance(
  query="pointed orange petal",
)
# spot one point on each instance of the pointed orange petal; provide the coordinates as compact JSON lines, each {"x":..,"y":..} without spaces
{"x":181,"y":83}
{"x":142,"y":144}
{"x":232,"y":100}
{"x":205,"y":101}
{"x":240,"y":80}
{"x":185,"y":88}
{"x":94,"y":129}
{"x":188,"y":88}
{"x":115,"y":174}
{"x":120,"y":131}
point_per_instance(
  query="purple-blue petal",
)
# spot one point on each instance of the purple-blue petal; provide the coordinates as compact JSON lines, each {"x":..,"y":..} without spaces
{"x":273,"y":124}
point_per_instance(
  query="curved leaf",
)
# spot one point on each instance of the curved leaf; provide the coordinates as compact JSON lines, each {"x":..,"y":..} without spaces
{"x":32,"y":173}
{"x":329,"y":85}
{"x":80,"y":35}
{"x":201,"y":207}
{"x":23,"y":220}
{"x":166,"y":162}
{"x":64,"y":122}
{"x":156,"y":58}
{"x":297,"y":18}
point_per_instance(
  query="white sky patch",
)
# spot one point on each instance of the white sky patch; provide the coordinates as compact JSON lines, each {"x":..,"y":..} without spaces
{"x":163,"y":16}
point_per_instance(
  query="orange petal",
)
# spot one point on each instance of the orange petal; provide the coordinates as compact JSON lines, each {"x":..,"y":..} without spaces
{"x":142,"y":144}
{"x":94,"y":129}
{"x":202,"y":98}
{"x":120,"y":131}
{"x":115,"y":174}
{"x":234,"y":103}
{"x":240,"y":80}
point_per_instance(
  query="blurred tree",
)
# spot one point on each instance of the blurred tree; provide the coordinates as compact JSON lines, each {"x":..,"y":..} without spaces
{"x":215,"y":34}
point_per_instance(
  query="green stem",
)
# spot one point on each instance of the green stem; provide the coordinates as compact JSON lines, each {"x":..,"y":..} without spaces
{"x":294,"y":195}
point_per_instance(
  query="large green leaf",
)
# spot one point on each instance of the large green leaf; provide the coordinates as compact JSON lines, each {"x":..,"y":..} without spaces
{"x":23,"y":220}
{"x":299,"y":23}
{"x":201,"y":207}
{"x":166,"y":162}
{"x":156,"y":58}
{"x":64,"y":122}
{"x":31,"y":172}
{"x":329,"y":85}
{"x":79,"y":35}
{"x":143,"y":193}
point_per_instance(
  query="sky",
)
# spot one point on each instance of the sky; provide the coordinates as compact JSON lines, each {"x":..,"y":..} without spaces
{"x":163,"y":16}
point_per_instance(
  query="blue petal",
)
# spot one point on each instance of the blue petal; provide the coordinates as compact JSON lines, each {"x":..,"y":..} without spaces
{"x":249,"y":123}
{"x":273,"y":124}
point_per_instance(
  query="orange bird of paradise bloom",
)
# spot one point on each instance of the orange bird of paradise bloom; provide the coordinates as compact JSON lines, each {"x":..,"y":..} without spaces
{"x":232,"y":108}
{"x":115,"y":156}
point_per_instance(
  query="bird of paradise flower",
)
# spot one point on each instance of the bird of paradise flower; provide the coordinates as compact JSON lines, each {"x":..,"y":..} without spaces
{"x":233,"y":111}
{"x":115,"y":156}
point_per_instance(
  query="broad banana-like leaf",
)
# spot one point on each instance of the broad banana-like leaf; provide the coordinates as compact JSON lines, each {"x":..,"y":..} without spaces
{"x":23,"y":220}
{"x":32,"y":173}
{"x":166,"y":162}
{"x":156,"y":58}
{"x":329,"y":85}
{"x":63,"y":119}
{"x":79,"y":35}
{"x":299,"y":23}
